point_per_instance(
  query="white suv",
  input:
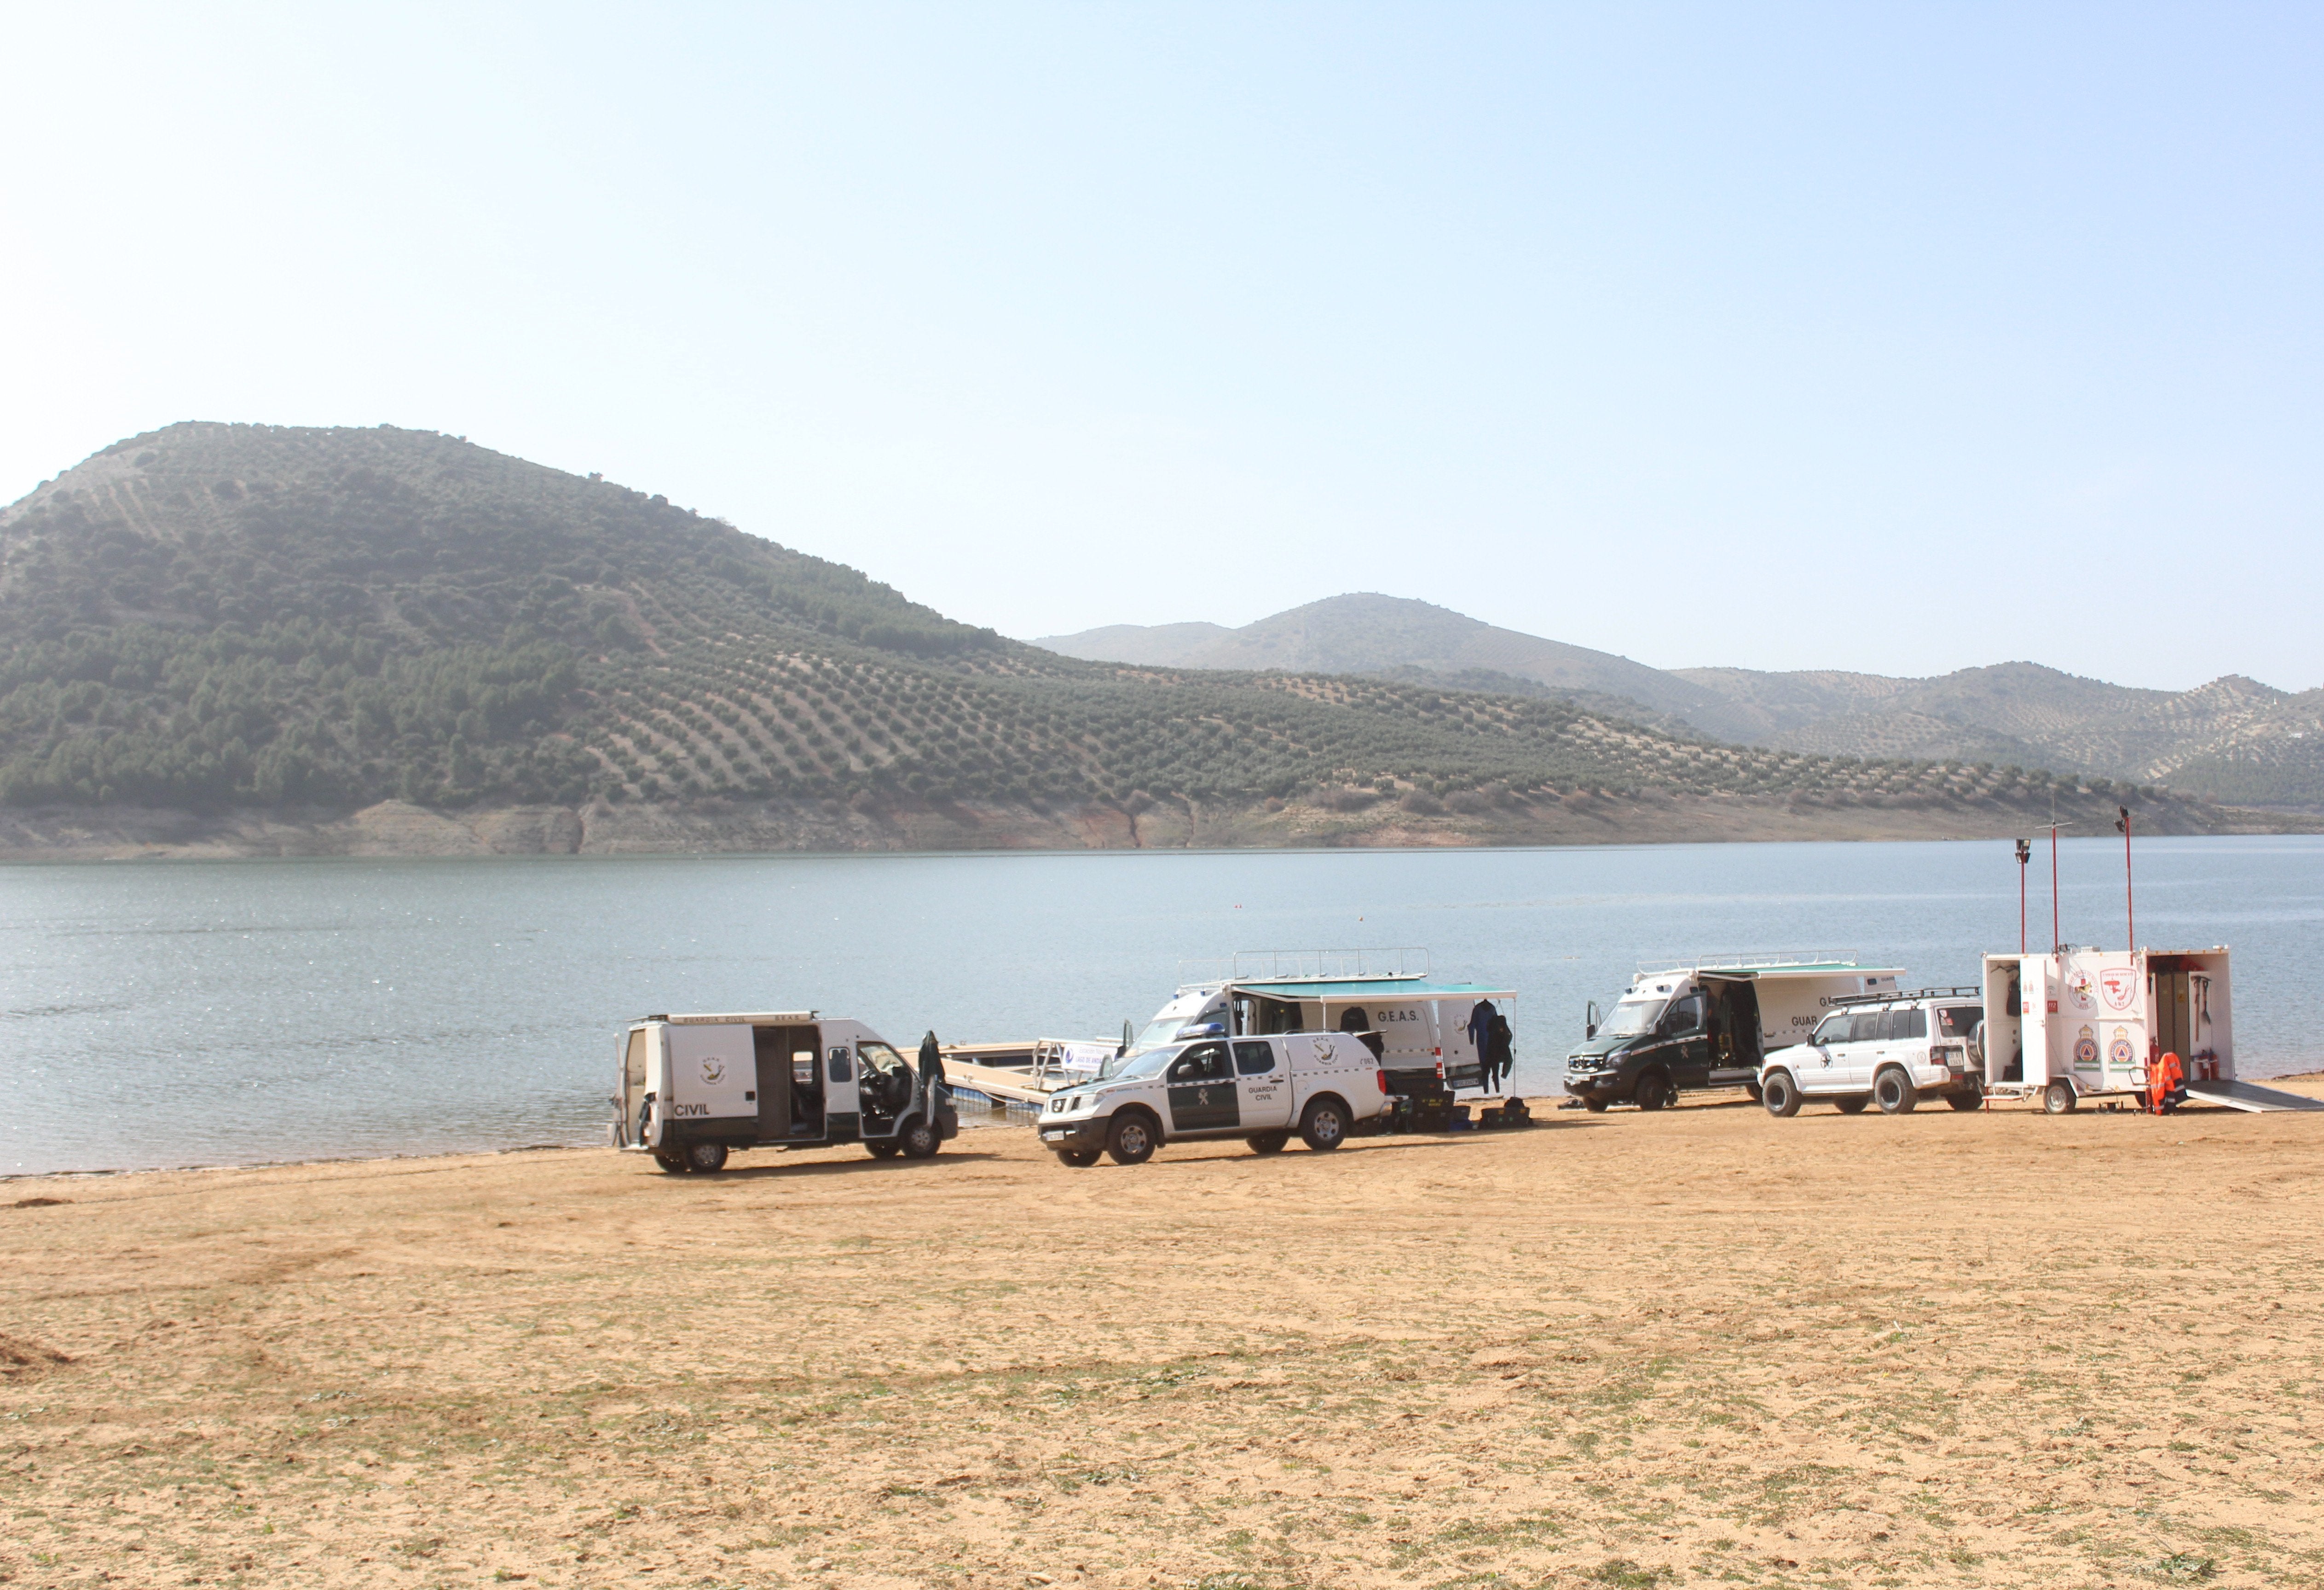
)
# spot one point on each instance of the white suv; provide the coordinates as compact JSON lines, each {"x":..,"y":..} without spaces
{"x":1889,"y":1050}
{"x":1260,"y":1089}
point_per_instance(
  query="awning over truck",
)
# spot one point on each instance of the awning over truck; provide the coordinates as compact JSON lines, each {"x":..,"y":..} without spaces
{"x":1817,"y":968}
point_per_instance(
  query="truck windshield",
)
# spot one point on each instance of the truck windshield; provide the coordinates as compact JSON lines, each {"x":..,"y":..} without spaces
{"x":1165,"y":1030}
{"x":1631,"y":1018}
{"x":1150,"y":1063}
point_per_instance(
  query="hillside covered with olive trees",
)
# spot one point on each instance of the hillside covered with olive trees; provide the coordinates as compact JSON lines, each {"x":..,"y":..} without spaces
{"x":240,"y":638}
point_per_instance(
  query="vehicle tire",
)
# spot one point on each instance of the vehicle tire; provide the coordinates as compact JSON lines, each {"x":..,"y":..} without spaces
{"x":883,"y":1151}
{"x":1852,"y":1107}
{"x":1894,"y":1092}
{"x":920,"y":1139}
{"x":671,"y":1161}
{"x":705,"y":1158}
{"x":2059,"y":1098}
{"x":1969,"y":1096}
{"x":1270,"y":1142}
{"x":1080,"y":1159}
{"x":1594,"y":1103}
{"x":1132,"y":1138}
{"x":1324,"y":1127}
{"x":1753,"y":1089}
{"x":1780,"y":1095}
{"x":1655,"y":1092}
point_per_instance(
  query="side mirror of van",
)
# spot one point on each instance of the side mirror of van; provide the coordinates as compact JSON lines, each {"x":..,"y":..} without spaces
{"x":1589,"y":1020}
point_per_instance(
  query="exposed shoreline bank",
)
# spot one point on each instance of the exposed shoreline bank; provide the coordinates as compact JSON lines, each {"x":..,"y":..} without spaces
{"x":400,"y":829}
{"x":1542,"y":1102}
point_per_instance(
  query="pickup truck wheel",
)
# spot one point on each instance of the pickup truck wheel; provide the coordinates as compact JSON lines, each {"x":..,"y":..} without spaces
{"x":1780,"y":1095}
{"x":920,"y":1140}
{"x":2058,"y":1099}
{"x":705,"y":1157}
{"x":1655,"y":1092}
{"x":1080,"y":1159}
{"x":1324,"y":1127}
{"x":1131,"y":1139}
{"x":671,"y":1161}
{"x":1270,"y":1142}
{"x":1894,"y":1092}
{"x":1852,"y":1107}
{"x":1593,"y":1104}
{"x":881,"y":1151}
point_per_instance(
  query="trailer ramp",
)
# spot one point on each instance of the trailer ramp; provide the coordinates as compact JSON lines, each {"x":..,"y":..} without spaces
{"x":2250,"y":1096}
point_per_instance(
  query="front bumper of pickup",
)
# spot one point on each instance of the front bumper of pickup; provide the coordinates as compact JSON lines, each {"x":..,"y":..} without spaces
{"x":1081,"y":1135}
{"x":1582,"y":1084}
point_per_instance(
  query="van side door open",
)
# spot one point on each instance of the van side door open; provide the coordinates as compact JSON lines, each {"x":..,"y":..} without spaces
{"x":1262,"y":1084}
{"x":1735,"y":1050}
{"x":770,"y":1060}
{"x":1202,"y":1091}
{"x":841,"y":1117}
{"x":1687,"y":1023}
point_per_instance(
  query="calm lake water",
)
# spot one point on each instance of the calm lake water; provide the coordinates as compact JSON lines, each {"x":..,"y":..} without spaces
{"x":199,"y":1013}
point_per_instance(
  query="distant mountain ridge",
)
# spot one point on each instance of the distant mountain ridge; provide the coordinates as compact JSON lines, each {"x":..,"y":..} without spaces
{"x":1369,"y":633}
{"x":2233,"y":739}
{"x":274,"y":640}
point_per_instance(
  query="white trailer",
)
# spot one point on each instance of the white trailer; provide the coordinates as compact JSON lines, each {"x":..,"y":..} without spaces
{"x":695,"y":1087}
{"x":2077,"y":1024}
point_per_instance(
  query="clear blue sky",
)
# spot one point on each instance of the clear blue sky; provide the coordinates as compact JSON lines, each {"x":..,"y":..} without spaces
{"x":1868,"y":336}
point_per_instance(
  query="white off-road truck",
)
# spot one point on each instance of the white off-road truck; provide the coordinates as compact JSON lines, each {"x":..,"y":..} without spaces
{"x":694,"y":1088}
{"x":1262,"y":1089}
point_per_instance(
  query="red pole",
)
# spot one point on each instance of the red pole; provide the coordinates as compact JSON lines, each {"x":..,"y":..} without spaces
{"x":2057,"y":936}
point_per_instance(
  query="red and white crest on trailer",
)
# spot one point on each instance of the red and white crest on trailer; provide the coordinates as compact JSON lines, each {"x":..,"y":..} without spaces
{"x":2119,"y":984}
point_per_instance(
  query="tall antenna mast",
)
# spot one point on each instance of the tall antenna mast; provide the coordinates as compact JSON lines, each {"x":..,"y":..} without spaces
{"x":2025,"y":854}
{"x":2057,"y":933}
{"x":2129,"y":903}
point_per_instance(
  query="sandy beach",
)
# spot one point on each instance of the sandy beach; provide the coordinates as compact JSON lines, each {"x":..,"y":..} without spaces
{"x":1626,"y":1350}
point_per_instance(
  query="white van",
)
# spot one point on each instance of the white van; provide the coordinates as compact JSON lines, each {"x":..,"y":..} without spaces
{"x":1889,"y":1050}
{"x":1258,"y":1089}
{"x":694,"y":1088}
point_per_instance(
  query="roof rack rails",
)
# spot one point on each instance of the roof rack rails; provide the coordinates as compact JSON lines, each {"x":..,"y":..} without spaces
{"x":1750,"y":961}
{"x":1890,"y":998}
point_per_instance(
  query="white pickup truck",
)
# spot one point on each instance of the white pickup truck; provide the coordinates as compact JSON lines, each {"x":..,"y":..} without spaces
{"x":1258,"y":1089}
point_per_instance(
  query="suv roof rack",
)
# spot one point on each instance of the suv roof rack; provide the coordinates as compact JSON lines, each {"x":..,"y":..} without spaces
{"x":1953,"y":993}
